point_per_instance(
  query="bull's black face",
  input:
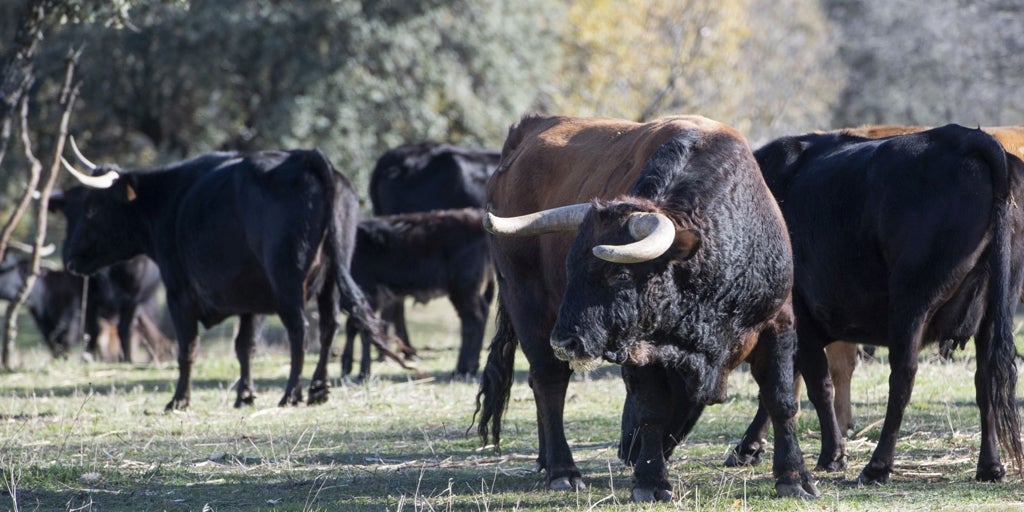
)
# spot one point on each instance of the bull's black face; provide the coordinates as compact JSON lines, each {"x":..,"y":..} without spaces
{"x":102,"y":227}
{"x":615,"y":311}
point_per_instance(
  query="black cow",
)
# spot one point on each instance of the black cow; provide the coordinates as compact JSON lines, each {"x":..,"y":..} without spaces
{"x":426,"y":255}
{"x":54,"y":302}
{"x":118,"y":290}
{"x":900,"y":242}
{"x":672,"y":261}
{"x":233,"y":234}
{"x":428,"y":176}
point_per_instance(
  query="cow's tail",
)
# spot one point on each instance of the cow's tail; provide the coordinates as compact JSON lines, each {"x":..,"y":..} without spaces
{"x":343,"y":215}
{"x":496,"y":382}
{"x":1002,"y":298}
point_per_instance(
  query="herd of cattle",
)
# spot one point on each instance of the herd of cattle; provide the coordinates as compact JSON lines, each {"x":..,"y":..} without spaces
{"x":669,"y":248}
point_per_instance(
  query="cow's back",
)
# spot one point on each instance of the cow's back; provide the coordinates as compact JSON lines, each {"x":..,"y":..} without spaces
{"x":861,"y":210}
{"x":235,"y":218}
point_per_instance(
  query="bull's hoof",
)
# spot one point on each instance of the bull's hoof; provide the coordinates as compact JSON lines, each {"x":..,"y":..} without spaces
{"x":804,"y":488}
{"x":318,"y":392}
{"x":994,"y":473}
{"x":744,"y":457}
{"x":566,"y":483}
{"x":642,"y":495}
{"x":177,"y":404}
{"x":874,"y":475}
{"x":831,"y":465}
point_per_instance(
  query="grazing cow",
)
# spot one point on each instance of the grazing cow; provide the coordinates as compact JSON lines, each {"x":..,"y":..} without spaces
{"x":900,"y":242}
{"x":426,"y":255}
{"x":428,"y":176}
{"x":54,"y":301}
{"x":55,"y":304}
{"x":667,"y":255}
{"x":842,"y":356}
{"x":233,"y":234}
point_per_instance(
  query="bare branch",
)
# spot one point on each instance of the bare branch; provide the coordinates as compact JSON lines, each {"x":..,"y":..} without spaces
{"x":69,"y":93}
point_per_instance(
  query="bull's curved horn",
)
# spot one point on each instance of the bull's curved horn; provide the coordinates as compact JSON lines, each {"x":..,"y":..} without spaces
{"x":105,"y":180}
{"x":44,"y":251}
{"x":563,"y":218}
{"x":654,"y":233}
{"x":78,"y":154}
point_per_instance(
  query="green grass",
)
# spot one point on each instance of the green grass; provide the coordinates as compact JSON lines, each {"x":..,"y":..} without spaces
{"x":77,"y":436}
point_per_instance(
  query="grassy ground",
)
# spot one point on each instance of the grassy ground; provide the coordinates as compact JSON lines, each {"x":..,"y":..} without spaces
{"x":76,"y":436}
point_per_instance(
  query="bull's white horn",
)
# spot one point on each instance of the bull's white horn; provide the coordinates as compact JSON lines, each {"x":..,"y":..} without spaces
{"x":44,"y":251}
{"x":78,"y":154}
{"x":654,"y":233}
{"x":563,"y":218}
{"x":105,"y":180}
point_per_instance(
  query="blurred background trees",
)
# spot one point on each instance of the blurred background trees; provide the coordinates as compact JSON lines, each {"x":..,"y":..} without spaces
{"x":166,"y":79}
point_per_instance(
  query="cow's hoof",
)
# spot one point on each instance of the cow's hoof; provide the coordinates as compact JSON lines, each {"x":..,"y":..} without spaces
{"x":292,"y":399}
{"x":994,"y":473}
{"x":832,"y":465}
{"x":798,"y":484}
{"x":566,"y":483}
{"x":318,"y":394}
{"x":749,"y":458}
{"x":243,"y":399}
{"x":642,"y":495}
{"x":177,"y":404}
{"x":869,"y":475}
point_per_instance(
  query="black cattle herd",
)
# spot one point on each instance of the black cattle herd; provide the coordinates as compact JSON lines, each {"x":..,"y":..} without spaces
{"x":669,"y":248}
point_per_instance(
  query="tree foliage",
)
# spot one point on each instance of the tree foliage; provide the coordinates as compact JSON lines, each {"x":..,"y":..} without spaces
{"x":353,"y":78}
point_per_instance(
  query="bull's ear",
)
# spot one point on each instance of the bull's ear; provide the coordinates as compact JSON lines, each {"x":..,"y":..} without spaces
{"x":129,"y":192}
{"x":686,"y":243}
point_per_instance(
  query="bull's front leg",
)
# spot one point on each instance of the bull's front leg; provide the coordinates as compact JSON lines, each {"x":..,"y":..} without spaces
{"x":188,"y":343}
{"x":649,"y":388}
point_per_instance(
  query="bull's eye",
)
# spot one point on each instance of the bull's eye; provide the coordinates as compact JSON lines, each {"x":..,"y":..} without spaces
{"x":619,"y":277}
{"x":90,"y":212}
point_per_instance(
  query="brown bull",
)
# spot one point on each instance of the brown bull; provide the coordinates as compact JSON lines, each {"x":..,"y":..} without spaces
{"x":667,"y":255}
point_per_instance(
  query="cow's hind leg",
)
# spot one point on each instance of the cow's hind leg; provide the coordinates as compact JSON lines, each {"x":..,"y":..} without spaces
{"x":294,"y":322}
{"x":187,"y":331}
{"x":327,"y":307}
{"x":842,"y":360}
{"x":472,"y":309}
{"x":771,"y":365}
{"x":243,"y":351}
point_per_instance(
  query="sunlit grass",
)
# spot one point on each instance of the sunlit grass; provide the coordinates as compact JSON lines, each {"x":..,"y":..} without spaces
{"x":76,"y":436}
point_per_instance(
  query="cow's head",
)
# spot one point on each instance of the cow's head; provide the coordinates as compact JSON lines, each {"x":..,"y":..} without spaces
{"x":102,"y":222}
{"x":622,"y":273}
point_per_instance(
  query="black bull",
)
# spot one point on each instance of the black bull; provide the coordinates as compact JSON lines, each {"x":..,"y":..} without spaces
{"x":705,"y":285}
{"x":901,"y":242}
{"x":428,"y":176}
{"x":233,"y":235}
{"x":426,"y":255}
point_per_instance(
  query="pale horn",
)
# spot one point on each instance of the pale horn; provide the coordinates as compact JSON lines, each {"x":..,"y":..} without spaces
{"x":563,"y":218}
{"x":654,"y":233}
{"x":78,"y":154}
{"x":105,"y":180}
{"x":44,"y":251}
